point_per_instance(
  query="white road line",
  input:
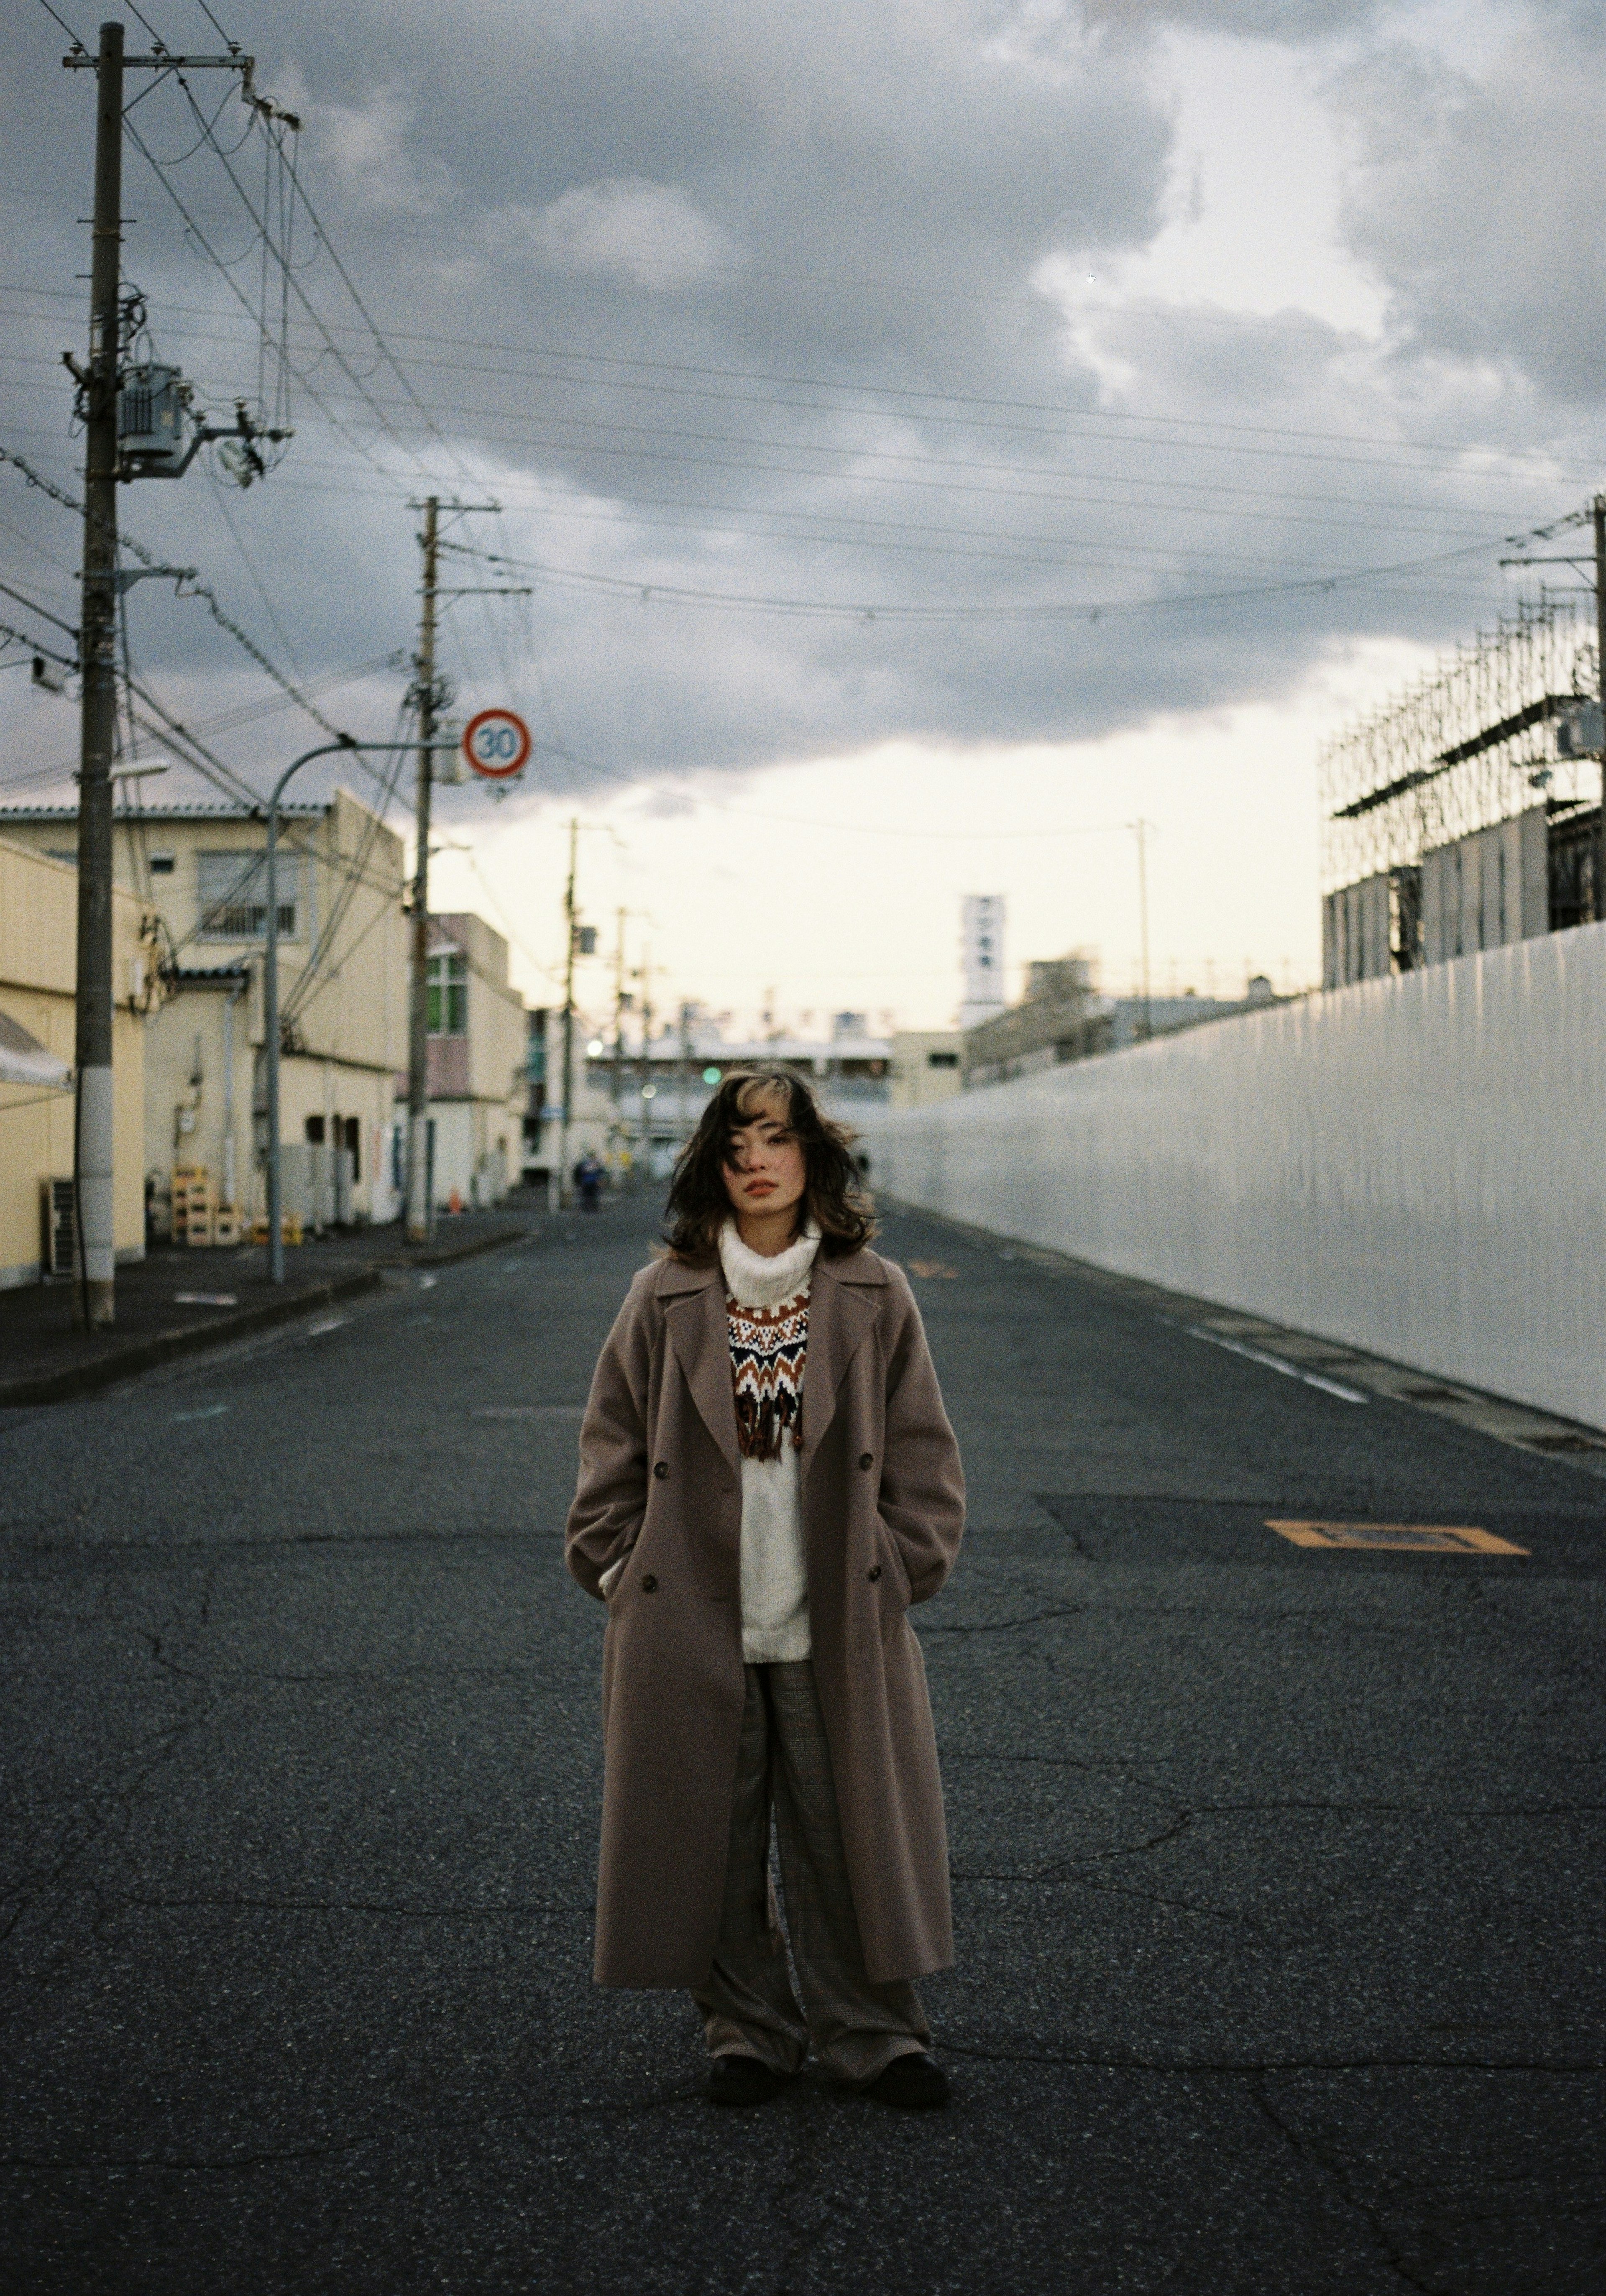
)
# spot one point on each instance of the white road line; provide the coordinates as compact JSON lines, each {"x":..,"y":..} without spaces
{"x":327,"y":1324}
{"x":1275,"y":1363}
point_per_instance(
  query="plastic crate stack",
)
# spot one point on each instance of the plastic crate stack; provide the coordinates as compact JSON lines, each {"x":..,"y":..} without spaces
{"x":194,"y":1213}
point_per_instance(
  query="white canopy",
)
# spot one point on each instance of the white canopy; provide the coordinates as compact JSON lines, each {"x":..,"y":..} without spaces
{"x":23,"y":1059}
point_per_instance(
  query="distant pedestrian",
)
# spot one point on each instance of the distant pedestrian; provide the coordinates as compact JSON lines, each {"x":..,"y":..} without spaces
{"x":588,"y":1176}
{"x":767,"y":1480}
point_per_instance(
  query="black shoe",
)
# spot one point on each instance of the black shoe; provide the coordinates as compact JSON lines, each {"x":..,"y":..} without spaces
{"x":915,"y":2081}
{"x":742,"y":2081}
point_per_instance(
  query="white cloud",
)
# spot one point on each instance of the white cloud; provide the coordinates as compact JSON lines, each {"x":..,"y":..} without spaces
{"x":624,"y":227}
{"x":365,"y":147}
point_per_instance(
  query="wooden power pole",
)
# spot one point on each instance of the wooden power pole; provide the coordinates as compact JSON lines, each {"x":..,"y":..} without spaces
{"x":93,"y":1145}
{"x":572,"y":937}
{"x":1599,"y":686}
{"x":419,"y":1207}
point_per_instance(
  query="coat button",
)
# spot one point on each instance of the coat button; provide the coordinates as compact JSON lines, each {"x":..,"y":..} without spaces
{"x":866,"y":1459}
{"x":661,"y":1470}
{"x":648,"y":1584}
{"x":874,"y":1573}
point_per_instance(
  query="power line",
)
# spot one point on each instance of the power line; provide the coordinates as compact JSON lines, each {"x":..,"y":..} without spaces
{"x":881,"y":533}
{"x":1072,"y":420}
{"x":621,"y":586}
{"x":199,"y":590}
{"x":1085,"y":419}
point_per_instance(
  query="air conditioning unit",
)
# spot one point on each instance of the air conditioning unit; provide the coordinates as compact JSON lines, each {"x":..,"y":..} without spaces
{"x":59,"y":1251}
{"x":1578,"y":730}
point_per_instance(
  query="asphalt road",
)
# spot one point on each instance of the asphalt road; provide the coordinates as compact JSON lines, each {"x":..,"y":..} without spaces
{"x":1278,"y":1871}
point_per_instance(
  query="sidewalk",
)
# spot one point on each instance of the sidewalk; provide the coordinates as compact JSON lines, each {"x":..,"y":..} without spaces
{"x":178,"y":1301}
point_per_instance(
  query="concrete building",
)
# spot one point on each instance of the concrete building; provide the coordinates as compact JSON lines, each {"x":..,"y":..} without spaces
{"x":981,"y":957}
{"x":635,"y":1112}
{"x":38,"y":970}
{"x":1466,"y":815}
{"x":598,"y":1126}
{"x":1506,"y":882}
{"x":477,"y":1055}
{"x":198,"y":871}
{"x":1060,"y":1018}
{"x":926,"y":1065}
{"x":1133,"y":1018}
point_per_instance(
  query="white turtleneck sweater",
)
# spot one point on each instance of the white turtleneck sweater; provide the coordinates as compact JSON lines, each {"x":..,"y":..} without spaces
{"x":775,"y":1581}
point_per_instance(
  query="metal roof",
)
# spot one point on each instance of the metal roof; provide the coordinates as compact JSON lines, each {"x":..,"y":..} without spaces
{"x":150,"y":815}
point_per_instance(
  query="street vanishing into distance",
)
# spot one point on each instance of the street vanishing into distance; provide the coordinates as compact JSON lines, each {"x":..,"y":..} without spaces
{"x":1277,"y":1866}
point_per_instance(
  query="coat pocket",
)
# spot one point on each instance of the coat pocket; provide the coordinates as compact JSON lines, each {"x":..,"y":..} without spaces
{"x":892,"y":1580}
{"x":613,"y":1578}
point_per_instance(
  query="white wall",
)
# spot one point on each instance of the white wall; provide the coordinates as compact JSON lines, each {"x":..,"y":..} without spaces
{"x":1416,"y":1166}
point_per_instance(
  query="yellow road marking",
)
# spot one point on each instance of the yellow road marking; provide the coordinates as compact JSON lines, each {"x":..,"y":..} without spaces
{"x":1400,"y":1537}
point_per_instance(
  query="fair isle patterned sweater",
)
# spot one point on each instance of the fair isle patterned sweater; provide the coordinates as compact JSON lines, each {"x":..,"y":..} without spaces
{"x":767,"y":1305}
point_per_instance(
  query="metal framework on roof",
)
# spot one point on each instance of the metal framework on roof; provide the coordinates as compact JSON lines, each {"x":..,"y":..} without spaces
{"x":1460,"y":751}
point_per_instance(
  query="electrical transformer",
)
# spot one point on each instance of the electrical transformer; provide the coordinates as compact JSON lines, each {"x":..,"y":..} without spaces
{"x":149,"y":421}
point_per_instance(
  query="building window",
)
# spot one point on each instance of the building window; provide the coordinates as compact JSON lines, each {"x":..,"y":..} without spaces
{"x":448,"y":984}
{"x":233,"y":894}
{"x":163,"y":864}
{"x":942,"y":1060}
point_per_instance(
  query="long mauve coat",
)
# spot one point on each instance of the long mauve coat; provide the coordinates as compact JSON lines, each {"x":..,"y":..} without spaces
{"x":883,"y":1507}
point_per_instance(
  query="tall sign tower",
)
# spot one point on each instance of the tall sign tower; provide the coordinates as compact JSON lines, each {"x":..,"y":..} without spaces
{"x":981,"y":945}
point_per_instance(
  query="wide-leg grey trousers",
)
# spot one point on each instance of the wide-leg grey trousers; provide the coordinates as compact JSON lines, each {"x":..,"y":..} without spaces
{"x":749,"y":2006}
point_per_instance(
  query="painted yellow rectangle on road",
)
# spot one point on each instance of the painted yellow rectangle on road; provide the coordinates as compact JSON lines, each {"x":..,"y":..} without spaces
{"x":1399,"y":1537}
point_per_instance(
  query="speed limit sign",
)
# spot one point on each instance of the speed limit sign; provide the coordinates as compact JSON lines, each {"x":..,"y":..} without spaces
{"x":496,"y":744}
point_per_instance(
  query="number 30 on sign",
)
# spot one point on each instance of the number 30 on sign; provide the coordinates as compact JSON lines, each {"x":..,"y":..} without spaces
{"x":496,"y":744}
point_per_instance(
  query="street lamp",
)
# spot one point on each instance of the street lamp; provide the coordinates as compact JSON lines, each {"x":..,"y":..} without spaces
{"x":270,"y":993}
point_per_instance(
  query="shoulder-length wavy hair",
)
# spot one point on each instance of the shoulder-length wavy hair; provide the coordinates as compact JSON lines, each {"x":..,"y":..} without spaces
{"x":834,"y":1194}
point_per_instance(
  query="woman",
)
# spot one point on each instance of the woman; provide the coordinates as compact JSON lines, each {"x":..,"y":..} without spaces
{"x":767,"y":1480}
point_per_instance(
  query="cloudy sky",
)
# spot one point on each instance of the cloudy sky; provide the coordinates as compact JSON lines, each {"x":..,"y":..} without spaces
{"x":933,"y":434}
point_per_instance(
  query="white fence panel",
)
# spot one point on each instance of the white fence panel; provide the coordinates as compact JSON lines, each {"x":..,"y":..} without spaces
{"x":1414,"y":1166}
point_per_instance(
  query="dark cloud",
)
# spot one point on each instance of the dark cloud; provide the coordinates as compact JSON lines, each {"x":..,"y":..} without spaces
{"x":753,"y":301}
{"x":1480,"y":202}
{"x":1288,"y":22}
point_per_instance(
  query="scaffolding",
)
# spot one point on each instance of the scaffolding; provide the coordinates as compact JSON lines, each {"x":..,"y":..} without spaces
{"x":1495,"y":730}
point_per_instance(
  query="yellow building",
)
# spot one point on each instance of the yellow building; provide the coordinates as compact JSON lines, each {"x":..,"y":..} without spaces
{"x":200,"y":870}
{"x":925,"y":1066}
{"x":38,"y":967}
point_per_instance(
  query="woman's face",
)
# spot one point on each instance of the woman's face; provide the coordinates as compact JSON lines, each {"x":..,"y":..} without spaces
{"x":764,"y":1174}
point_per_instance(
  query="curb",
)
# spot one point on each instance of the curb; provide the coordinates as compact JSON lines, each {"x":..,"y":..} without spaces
{"x":192,"y":1339}
{"x":443,"y":1255}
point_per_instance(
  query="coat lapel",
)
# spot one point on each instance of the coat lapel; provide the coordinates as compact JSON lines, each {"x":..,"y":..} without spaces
{"x":694,"y":1316}
{"x":841,"y":1311}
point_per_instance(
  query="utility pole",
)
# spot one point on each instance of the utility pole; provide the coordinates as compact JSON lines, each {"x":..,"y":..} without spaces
{"x":645,"y":1091}
{"x":1141,"y":828}
{"x":105,"y":462}
{"x":572,"y":935}
{"x":419,"y":1209}
{"x":93,"y":1145}
{"x":1600,"y":642}
{"x":684,"y":1126}
{"x":620,"y":1000}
